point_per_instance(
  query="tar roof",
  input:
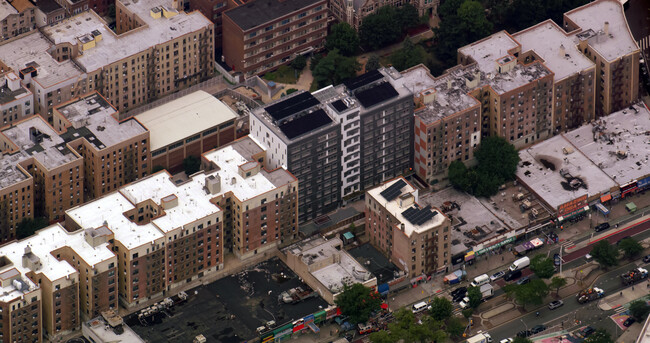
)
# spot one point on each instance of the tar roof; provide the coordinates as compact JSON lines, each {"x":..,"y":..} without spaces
{"x":31,"y":50}
{"x":112,"y":47}
{"x":486,"y":51}
{"x":95,"y":114}
{"x":617,"y":144}
{"x":396,"y":209}
{"x":558,"y":153}
{"x":619,"y":41}
{"x":258,"y":12}
{"x":7,"y":95}
{"x":48,"y":6}
{"x":547,"y":40}
{"x":184,"y":118}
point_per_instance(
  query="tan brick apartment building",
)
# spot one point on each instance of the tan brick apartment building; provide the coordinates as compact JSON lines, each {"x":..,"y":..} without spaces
{"x":157,"y":51}
{"x":261,"y":35}
{"x":16,"y":18}
{"x":188,"y":126}
{"x":416,"y":239}
{"x":353,"y":11}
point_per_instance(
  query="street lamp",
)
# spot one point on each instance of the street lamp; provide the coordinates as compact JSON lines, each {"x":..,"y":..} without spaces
{"x":526,"y":326}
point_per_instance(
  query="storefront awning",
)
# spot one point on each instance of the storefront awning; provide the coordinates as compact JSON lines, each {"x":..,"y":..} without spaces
{"x":606,"y":197}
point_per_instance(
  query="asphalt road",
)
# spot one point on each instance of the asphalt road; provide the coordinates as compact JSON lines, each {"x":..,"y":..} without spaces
{"x":566,"y":316}
{"x":638,"y":18}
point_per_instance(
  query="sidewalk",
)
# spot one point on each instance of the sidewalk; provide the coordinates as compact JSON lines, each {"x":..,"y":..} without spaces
{"x":624,"y":297}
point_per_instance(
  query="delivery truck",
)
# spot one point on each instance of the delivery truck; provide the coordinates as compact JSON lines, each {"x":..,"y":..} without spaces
{"x":487,"y":291}
{"x":520,"y":264}
{"x":480,"y":337}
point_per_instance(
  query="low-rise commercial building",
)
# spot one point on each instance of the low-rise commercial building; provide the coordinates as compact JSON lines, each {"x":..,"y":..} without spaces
{"x":417,"y":239}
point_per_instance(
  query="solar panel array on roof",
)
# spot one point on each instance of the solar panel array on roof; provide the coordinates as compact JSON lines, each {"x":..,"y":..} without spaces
{"x":393,"y":191}
{"x":376,"y":94}
{"x":339,"y":105}
{"x":292,"y":105}
{"x":419,"y":216}
{"x":306,"y":123}
{"x":363,"y":80}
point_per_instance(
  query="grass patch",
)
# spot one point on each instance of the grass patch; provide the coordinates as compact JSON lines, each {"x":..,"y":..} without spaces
{"x":313,"y":87}
{"x":284,"y":74}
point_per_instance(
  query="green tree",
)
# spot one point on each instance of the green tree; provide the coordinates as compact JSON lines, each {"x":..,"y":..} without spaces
{"x":373,"y":63}
{"x":299,"y":63}
{"x":518,"y":339}
{"x":405,"y":328}
{"x":156,"y":169}
{"x":407,"y":17}
{"x":542,"y":266}
{"x":454,"y":327}
{"x":380,"y":29}
{"x":557,"y":283}
{"x":314,"y":60}
{"x":449,"y":8}
{"x":441,"y":308}
{"x":334,"y":68}
{"x":467,"y":313}
{"x":457,"y":174}
{"x":497,"y":156}
{"x":532,"y":293}
{"x":291,"y":90}
{"x":458,"y":28}
{"x":408,"y":56}
{"x":599,"y":336}
{"x":191,"y":165}
{"x":639,"y":309}
{"x":605,"y":254}
{"x":29,"y":226}
{"x":343,"y":37}
{"x":381,"y":336}
{"x":475,"y":296}
{"x":630,"y":247}
{"x":358,"y":302}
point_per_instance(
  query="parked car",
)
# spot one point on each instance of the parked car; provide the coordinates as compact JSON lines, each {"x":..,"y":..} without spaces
{"x":646,"y":258}
{"x":556,"y":259}
{"x":512,"y":275}
{"x":497,"y":275}
{"x":459,"y":291}
{"x":537,"y":329}
{"x":601,"y":227}
{"x":629,"y":322}
{"x":506,"y":340}
{"x":524,"y":280}
{"x":586,"y":332}
{"x":524,"y":333}
{"x":555,"y":304}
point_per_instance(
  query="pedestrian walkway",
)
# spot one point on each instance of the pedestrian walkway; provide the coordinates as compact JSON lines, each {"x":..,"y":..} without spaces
{"x":620,"y":299}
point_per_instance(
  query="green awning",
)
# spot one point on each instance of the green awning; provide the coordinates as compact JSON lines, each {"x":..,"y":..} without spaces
{"x":630,"y":206}
{"x":348,"y":235}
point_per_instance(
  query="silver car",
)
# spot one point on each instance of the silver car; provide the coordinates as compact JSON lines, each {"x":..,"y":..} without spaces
{"x":555,"y":304}
{"x":497,"y":275}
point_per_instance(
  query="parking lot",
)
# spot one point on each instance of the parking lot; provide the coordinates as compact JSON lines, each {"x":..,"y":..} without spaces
{"x":230,"y":309}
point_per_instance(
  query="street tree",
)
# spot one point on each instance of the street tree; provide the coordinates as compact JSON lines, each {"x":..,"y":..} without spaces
{"x":630,"y":247}
{"x":343,"y":37}
{"x":605,"y":254}
{"x":475,"y":296}
{"x":557,"y":283}
{"x":532,"y":293}
{"x":467,"y":313}
{"x":382,"y":336}
{"x":404,"y":328}
{"x":542,"y":266}
{"x":441,"y":308}
{"x":454,"y":327}
{"x":372,"y":63}
{"x":334,"y":68}
{"x":521,"y":340}
{"x":191,"y":165}
{"x":639,"y":309}
{"x":599,"y":336}
{"x":358,"y":302}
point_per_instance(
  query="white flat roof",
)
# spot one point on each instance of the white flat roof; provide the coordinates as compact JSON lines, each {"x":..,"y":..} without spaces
{"x":625,"y":131}
{"x":184,"y":117}
{"x":32,"y":49}
{"x":101,"y":329}
{"x":546,"y":39}
{"x":396,"y":210}
{"x":488,"y":50}
{"x":619,"y":42}
{"x":547,"y":183}
{"x":6,"y":9}
{"x":112,"y":47}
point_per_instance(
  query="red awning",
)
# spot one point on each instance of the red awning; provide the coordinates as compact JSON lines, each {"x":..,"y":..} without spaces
{"x":606,"y":197}
{"x":384,"y":306}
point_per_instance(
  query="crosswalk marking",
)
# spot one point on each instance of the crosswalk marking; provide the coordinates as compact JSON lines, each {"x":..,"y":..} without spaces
{"x":567,"y":244}
{"x":621,"y":309}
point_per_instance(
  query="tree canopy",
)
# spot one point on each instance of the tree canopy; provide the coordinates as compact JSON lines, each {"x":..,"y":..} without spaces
{"x":497,"y":163}
{"x":343,"y":37}
{"x":408,"y":56}
{"x":358,"y":302}
{"x":405,"y":328}
{"x":462,"y":22}
{"x":387,"y":26}
{"x":454,"y":327}
{"x":605,"y":254}
{"x":299,"y":63}
{"x":630,"y":247}
{"x":542,"y":266}
{"x":29,"y":226}
{"x":639,"y":309}
{"x":373,"y":63}
{"x":557,"y":283}
{"x":532,"y":293}
{"x":441,"y":308}
{"x":599,"y":336}
{"x":191,"y":165}
{"x":517,"y":15}
{"x":334,"y":68}
{"x":475,"y":296}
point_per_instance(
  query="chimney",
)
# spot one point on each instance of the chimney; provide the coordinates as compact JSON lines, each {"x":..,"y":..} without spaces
{"x":606,"y":28}
{"x":562,"y":50}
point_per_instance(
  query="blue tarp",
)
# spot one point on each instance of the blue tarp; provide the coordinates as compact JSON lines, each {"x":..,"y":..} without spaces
{"x":383,"y":289}
{"x":602,"y":209}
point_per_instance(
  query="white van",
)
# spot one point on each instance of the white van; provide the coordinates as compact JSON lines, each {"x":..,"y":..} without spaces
{"x":520,"y":264}
{"x":480,"y":280}
{"x":419,"y":307}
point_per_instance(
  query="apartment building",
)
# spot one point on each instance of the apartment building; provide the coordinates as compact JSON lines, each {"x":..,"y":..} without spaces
{"x":168,"y":233}
{"x":339,"y":140}
{"x":16,"y":101}
{"x":261,"y":35}
{"x":353,"y":12}
{"x":115,"y":152}
{"x":20,"y":303}
{"x":48,"y":12}
{"x":188,"y":126}
{"x":73,"y":7}
{"x":213,"y":10}
{"x":16,"y":18}
{"x":417,"y":239}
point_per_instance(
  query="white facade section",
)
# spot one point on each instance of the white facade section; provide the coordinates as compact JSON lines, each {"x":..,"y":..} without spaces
{"x":276,"y":148}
